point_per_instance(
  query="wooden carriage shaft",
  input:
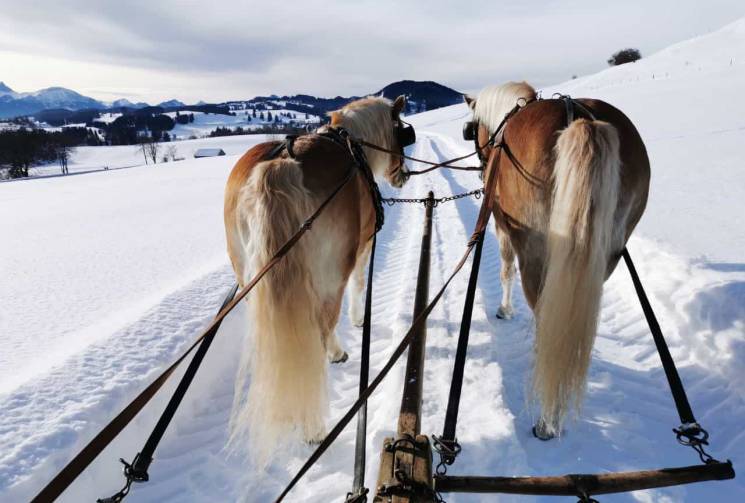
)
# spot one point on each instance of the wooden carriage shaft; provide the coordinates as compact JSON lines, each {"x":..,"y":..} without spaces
{"x":409,"y":420}
{"x":412,"y":460}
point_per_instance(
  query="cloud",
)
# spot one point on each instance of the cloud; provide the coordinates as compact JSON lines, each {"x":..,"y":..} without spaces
{"x":220,"y":50}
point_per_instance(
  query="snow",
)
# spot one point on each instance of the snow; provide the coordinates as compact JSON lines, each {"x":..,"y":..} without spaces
{"x":108,"y":276}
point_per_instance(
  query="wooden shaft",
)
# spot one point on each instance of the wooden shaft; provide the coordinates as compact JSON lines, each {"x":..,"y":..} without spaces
{"x":589,"y":484}
{"x":412,"y":458}
{"x":409,"y":420}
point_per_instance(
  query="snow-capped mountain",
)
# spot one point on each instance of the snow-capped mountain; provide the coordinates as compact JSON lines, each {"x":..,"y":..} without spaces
{"x":171,"y":103}
{"x":59,"y":97}
{"x":5,"y":90}
{"x":13,"y":103}
{"x":128,"y":104}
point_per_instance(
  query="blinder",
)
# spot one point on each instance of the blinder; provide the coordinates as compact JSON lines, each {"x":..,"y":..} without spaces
{"x":470,"y":130}
{"x":405,"y":134}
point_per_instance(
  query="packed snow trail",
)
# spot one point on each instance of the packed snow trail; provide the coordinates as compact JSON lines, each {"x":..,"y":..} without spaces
{"x":109,"y":276}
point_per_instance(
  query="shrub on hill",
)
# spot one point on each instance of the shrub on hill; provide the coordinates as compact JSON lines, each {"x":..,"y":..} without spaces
{"x":625,"y":56}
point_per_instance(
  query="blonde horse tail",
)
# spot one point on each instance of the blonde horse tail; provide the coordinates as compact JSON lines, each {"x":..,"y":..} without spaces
{"x":586,"y":191}
{"x":285,"y":359}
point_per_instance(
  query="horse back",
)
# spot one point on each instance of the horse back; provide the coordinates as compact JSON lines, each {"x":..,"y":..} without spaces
{"x":526,"y":175}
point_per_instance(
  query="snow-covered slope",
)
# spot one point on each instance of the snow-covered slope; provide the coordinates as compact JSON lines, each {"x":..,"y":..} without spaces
{"x":109,"y":275}
{"x":685,"y":102}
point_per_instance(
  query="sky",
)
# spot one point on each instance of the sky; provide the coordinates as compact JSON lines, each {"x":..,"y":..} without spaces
{"x":221,"y":50}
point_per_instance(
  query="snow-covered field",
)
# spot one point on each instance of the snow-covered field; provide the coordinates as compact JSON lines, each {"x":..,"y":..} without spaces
{"x":107,"y":276}
{"x":89,"y":159}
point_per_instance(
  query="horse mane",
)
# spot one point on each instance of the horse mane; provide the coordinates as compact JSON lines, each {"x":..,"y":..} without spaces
{"x":369,"y":119}
{"x":494,"y":102}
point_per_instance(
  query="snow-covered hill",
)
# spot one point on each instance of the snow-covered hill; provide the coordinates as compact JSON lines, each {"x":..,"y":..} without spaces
{"x":109,"y":275}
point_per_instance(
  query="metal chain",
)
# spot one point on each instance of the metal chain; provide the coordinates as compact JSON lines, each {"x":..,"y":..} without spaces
{"x":390,"y":201}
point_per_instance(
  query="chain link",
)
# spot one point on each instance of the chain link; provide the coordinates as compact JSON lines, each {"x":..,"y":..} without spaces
{"x":390,"y":201}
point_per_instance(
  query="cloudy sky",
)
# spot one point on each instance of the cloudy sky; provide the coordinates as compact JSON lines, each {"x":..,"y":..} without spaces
{"x":218,"y":50}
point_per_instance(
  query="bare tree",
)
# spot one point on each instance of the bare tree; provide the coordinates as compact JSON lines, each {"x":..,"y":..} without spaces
{"x":171,"y":152}
{"x":150,"y":149}
{"x":141,"y":148}
{"x":64,"y":152}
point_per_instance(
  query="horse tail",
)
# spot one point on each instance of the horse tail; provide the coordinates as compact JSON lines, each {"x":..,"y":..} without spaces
{"x":285,"y":359}
{"x":585,"y":196}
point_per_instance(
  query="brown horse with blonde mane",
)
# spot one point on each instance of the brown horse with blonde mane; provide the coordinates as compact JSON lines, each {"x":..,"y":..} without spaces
{"x":295,"y":308}
{"x":569,"y":194}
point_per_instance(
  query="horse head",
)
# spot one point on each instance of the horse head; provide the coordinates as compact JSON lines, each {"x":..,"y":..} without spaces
{"x":377,"y":121}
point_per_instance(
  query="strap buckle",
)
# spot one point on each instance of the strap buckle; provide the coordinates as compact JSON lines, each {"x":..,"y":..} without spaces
{"x":448,"y":451}
{"x":694,"y":436}
{"x":359,"y":497}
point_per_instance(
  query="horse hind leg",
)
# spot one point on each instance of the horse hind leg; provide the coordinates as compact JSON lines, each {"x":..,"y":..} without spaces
{"x":330,"y":317}
{"x":357,"y":288}
{"x":506,"y":275}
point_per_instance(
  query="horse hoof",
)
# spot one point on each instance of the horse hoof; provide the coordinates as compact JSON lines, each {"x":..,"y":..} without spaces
{"x":314,"y":441}
{"x":541,"y":432}
{"x":504,"y":313}
{"x":341,"y":359}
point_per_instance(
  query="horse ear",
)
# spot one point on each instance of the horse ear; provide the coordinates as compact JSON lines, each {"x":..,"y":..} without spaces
{"x":335,"y":117}
{"x":399,"y":105}
{"x":470,"y":100}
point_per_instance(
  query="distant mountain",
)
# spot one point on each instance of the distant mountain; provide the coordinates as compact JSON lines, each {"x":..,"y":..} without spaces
{"x":6,"y":90}
{"x":58,"y":99}
{"x":422,"y":96}
{"x":173,"y":103}
{"x":128,"y":104}
{"x":14,"y":103}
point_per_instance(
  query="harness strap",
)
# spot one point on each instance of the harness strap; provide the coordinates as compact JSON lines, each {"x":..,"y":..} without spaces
{"x":570,"y":104}
{"x":434,"y":165}
{"x":358,"y":486}
{"x":671,"y":372}
{"x":447,"y":445}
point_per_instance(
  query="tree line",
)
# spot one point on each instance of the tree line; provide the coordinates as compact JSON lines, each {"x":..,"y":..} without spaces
{"x":23,"y":148}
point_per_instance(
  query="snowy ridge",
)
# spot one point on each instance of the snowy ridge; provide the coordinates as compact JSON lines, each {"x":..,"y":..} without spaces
{"x":156,"y":233}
